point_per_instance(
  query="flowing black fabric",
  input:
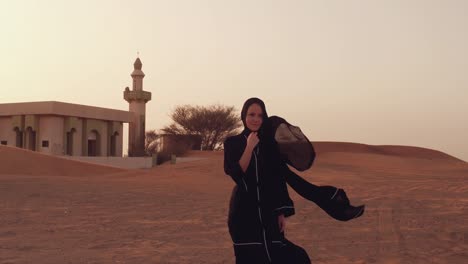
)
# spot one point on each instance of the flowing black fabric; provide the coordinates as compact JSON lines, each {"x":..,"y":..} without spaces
{"x":295,"y":149}
{"x":330,"y":199}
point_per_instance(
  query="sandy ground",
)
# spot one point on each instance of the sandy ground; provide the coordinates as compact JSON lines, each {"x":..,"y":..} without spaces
{"x":54,"y":210}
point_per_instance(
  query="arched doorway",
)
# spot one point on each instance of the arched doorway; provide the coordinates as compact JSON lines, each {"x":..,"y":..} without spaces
{"x":70,"y":136}
{"x":19,"y":137}
{"x":30,"y":139}
{"x":113,"y":144}
{"x":93,"y":143}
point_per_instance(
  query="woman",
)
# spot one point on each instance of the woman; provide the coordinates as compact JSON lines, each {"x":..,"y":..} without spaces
{"x":260,"y":201}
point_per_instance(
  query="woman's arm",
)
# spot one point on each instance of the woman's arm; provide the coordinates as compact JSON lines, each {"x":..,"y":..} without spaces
{"x":237,"y":158}
{"x":252,"y":141}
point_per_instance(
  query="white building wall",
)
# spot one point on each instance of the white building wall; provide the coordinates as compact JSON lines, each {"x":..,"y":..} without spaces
{"x":127,"y":162}
{"x":51,"y":129}
{"x":6,"y":131}
{"x":104,"y":138}
{"x":78,"y":140}
{"x":119,"y":141}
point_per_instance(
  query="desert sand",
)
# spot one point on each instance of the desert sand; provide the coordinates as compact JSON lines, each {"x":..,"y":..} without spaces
{"x":54,"y":210}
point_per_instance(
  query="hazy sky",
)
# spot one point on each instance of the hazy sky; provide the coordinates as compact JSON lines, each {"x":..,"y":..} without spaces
{"x":375,"y":72}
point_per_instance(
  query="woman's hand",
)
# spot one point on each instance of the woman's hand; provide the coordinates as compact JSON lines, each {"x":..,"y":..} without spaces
{"x":281,"y":223}
{"x":252,"y":140}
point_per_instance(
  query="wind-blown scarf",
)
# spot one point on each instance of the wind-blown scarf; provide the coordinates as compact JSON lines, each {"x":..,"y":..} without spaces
{"x":297,"y":151}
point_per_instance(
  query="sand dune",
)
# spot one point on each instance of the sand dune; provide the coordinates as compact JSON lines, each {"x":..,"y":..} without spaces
{"x":390,"y":150}
{"x":25,"y":162}
{"x":417,"y":204}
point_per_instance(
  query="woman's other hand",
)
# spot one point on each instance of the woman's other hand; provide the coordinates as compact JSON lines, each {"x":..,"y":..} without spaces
{"x":281,"y":223}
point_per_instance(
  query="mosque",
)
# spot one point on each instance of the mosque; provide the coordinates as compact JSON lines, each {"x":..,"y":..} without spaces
{"x":60,"y":128}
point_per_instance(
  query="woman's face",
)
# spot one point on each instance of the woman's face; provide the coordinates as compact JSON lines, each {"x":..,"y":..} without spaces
{"x":254,"y":117}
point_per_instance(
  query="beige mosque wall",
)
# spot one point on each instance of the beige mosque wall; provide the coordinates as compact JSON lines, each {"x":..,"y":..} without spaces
{"x":59,"y":131}
{"x":74,"y":125}
{"x":31,"y":125}
{"x":4,"y":127}
{"x":98,"y":128}
{"x":6,"y":132}
{"x":115,"y":129}
{"x":120,"y":141}
{"x":51,"y":130}
{"x":31,"y":121}
{"x":18,"y":121}
{"x":84,"y":129}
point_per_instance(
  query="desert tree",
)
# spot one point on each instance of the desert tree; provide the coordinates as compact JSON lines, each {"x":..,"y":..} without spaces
{"x":212,"y":123}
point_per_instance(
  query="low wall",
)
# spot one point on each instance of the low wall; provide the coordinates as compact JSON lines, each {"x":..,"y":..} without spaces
{"x":121,"y":162}
{"x":127,"y":162}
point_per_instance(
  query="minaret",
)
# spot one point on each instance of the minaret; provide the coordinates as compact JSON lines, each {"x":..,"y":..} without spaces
{"x":137,"y":99}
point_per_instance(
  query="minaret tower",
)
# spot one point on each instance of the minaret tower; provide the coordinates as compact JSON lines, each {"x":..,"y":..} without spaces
{"x":137,"y":99}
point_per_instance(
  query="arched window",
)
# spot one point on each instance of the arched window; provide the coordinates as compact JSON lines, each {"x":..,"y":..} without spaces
{"x":30,"y":139}
{"x":70,"y":136}
{"x":93,"y":143}
{"x":19,"y":137}
{"x":113,"y":144}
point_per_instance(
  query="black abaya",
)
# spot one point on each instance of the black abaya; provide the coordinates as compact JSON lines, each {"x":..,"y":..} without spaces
{"x":258,"y":198}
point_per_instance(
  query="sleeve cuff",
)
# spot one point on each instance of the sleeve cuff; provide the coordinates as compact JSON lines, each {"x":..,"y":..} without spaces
{"x":286,"y":210}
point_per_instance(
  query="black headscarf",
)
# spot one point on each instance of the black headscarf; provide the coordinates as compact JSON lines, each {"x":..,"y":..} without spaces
{"x":264,"y":133}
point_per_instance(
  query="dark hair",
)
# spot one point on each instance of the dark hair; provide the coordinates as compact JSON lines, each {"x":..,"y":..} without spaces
{"x":264,"y":129}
